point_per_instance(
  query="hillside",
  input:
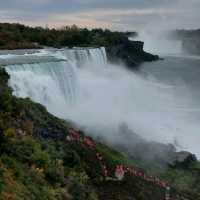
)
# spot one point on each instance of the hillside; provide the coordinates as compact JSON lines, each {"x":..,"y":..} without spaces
{"x":41,"y":157}
{"x":36,"y":160}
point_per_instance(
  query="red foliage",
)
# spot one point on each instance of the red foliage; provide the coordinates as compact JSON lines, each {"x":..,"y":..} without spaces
{"x":73,"y":135}
{"x":99,"y":157}
{"x":88,"y":142}
{"x":119,"y":172}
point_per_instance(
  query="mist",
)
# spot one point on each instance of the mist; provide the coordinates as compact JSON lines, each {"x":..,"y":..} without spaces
{"x":131,"y":111}
{"x":110,"y":96}
{"x":158,"y":42}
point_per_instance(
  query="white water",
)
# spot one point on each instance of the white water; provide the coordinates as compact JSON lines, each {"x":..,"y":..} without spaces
{"x":95,"y":94}
{"x":53,"y":84}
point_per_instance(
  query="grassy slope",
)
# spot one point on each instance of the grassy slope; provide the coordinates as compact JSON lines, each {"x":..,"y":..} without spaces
{"x":37,"y":163}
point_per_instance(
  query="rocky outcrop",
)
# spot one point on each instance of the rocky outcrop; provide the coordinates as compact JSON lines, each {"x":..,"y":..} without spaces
{"x":131,"y":53}
{"x":183,"y":159}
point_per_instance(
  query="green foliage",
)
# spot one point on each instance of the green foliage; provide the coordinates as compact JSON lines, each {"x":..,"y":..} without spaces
{"x":13,"y":36}
{"x":5,"y":93}
{"x":71,"y":158}
{"x":29,"y":169}
{"x":55,"y":173}
{"x":82,"y":192}
{"x":186,"y":181}
{"x":114,"y":156}
{"x":9,"y":133}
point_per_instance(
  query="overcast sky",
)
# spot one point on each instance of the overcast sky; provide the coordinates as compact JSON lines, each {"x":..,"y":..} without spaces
{"x":114,"y":14}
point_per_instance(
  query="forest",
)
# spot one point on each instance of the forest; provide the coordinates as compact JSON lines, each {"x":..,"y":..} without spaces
{"x":17,"y":36}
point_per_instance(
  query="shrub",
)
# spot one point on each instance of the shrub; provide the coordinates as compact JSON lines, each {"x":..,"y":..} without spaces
{"x":71,"y":158}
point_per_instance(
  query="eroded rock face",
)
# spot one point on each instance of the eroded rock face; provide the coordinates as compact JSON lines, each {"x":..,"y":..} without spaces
{"x":131,"y":53}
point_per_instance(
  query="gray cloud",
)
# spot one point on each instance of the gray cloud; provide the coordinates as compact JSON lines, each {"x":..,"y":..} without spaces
{"x":116,"y":14}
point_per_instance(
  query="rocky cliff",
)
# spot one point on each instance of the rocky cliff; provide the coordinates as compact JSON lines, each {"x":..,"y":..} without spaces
{"x":131,"y":53}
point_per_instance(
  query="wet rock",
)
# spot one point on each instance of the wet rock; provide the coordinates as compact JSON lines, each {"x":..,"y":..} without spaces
{"x":130,"y":53}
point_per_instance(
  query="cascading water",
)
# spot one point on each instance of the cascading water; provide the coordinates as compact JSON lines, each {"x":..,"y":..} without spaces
{"x":85,"y":56}
{"x":47,"y":83}
{"x":51,"y":83}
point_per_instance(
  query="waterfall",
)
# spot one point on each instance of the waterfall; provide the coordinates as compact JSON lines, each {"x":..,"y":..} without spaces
{"x":86,"y":56}
{"x":46,"y":83}
{"x":53,"y":82}
{"x":160,"y":102}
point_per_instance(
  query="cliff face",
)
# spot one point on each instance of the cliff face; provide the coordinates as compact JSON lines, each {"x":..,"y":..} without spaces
{"x":131,"y":53}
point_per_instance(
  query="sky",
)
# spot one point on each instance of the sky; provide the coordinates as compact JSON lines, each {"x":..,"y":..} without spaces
{"x":113,"y":14}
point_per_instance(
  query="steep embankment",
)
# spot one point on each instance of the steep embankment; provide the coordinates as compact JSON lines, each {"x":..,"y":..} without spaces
{"x":39,"y":161}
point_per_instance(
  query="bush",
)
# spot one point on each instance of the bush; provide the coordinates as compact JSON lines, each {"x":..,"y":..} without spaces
{"x":55,"y":173}
{"x":71,"y":158}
